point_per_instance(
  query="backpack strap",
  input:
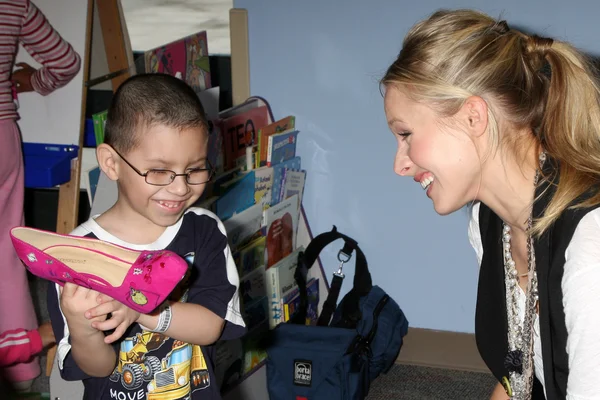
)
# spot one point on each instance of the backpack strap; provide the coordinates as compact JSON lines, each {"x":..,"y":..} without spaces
{"x":362,"y":277}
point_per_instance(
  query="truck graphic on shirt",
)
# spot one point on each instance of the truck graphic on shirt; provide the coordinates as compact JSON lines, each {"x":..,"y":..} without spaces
{"x":135,"y":366}
{"x":181,"y":371}
{"x":184,"y":371}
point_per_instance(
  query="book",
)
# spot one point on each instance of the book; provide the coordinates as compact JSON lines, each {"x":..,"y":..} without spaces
{"x":215,"y":147}
{"x":254,"y":300}
{"x":293,"y":164}
{"x":280,"y":280}
{"x":91,"y":176}
{"x":239,"y":132}
{"x":251,"y":256}
{"x":99,"y":120}
{"x":281,"y":147}
{"x":256,"y":313}
{"x":279,"y":227}
{"x":254,"y":349}
{"x":291,"y":302}
{"x":263,"y":184}
{"x":210,"y":99}
{"x":244,"y":227}
{"x":237,"y":199}
{"x":294,"y":184}
{"x":286,"y":124}
{"x":185,"y":58}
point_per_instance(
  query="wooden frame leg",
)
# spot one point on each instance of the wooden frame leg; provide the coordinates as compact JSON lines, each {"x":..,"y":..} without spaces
{"x":113,"y":35}
{"x":240,"y":55}
{"x":68,"y":193}
{"x":118,"y":57}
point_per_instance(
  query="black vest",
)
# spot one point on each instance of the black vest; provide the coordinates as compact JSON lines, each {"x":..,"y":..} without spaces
{"x":490,"y":317}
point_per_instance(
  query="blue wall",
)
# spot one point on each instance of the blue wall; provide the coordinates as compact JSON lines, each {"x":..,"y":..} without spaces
{"x":320,"y":60}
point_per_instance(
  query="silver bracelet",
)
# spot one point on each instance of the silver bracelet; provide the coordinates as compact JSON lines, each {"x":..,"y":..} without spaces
{"x":164,"y":320}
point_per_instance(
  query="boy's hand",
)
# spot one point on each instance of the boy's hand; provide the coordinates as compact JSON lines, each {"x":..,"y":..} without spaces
{"x":121,"y":317}
{"x":74,"y":302}
{"x":21,"y":78}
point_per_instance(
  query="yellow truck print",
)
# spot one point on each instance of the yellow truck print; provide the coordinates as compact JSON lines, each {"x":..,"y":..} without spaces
{"x":183,"y":370}
{"x":136,"y":367}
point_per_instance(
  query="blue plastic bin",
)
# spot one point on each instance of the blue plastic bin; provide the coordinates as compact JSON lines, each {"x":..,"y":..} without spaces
{"x":47,"y":165}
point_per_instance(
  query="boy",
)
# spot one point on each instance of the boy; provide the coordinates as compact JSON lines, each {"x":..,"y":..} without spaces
{"x":156,"y":149}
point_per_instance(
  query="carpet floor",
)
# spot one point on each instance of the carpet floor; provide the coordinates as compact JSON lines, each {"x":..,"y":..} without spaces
{"x":409,"y":382}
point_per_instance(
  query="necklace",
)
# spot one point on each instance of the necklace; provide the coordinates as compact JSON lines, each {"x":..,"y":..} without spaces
{"x":519,"y":360}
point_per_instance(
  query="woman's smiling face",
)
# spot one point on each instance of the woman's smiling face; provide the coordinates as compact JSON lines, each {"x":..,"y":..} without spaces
{"x":434,"y":151}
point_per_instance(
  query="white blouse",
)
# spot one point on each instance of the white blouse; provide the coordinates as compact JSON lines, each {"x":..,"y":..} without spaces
{"x":581,"y":302}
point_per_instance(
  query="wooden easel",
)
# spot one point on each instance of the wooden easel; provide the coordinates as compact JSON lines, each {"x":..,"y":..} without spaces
{"x":240,"y":55}
{"x":118,"y":54}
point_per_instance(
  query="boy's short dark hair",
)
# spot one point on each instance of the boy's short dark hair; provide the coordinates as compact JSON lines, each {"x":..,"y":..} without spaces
{"x":145,"y":100}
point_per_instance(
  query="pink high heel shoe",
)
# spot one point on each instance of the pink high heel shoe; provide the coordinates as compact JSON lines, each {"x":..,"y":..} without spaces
{"x":140,"y":279}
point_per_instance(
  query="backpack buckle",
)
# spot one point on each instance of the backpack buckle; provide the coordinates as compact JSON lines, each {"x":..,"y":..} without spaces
{"x":342,"y":258}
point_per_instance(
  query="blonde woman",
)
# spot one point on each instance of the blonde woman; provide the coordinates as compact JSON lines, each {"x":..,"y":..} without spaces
{"x":489,"y":116}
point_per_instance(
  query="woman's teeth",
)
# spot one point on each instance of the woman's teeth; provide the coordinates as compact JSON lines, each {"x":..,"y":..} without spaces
{"x":426,"y":182}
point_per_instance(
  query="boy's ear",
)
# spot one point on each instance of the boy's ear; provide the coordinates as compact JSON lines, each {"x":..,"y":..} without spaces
{"x":107,"y":160}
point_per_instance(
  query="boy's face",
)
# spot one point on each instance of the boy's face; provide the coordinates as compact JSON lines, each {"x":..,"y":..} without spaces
{"x":166,"y":148}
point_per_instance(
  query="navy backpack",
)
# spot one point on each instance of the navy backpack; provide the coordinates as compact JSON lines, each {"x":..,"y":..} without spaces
{"x":351,"y":344}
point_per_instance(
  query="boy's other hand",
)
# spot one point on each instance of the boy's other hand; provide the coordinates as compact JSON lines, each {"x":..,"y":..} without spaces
{"x":74,"y":302}
{"x":21,"y":78}
{"x":121,"y":317}
{"x":47,"y":334}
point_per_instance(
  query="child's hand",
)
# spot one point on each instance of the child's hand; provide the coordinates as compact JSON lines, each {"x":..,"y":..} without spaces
{"x":121,"y":317}
{"x":47,"y":335}
{"x":21,"y":78}
{"x":74,"y":302}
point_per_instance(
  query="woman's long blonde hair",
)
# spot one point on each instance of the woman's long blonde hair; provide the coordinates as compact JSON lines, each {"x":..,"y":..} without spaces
{"x":534,"y":82}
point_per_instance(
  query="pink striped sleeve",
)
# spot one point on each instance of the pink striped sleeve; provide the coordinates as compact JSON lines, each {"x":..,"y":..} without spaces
{"x":60,"y":63}
{"x":18,"y":346}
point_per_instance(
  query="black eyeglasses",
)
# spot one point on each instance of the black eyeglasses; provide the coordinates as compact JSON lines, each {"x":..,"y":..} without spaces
{"x":164,"y":177}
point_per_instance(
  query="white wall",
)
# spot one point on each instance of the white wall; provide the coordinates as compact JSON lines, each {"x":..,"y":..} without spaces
{"x":56,"y":118}
{"x":320,"y":60}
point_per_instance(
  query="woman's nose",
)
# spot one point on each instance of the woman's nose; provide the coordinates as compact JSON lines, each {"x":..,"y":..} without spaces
{"x":403,"y":165}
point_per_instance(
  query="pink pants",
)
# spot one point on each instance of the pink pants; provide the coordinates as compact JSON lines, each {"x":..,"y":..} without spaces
{"x":16,"y":306}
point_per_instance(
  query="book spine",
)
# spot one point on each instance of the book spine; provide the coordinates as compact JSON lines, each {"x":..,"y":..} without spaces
{"x":282,"y":189}
{"x":259,"y":152}
{"x":272,"y":275}
{"x":269,"y":150}
{"x":286,"y":312}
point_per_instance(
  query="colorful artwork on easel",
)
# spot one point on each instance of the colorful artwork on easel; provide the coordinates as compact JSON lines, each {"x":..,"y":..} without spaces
{"x":185,"y":59}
